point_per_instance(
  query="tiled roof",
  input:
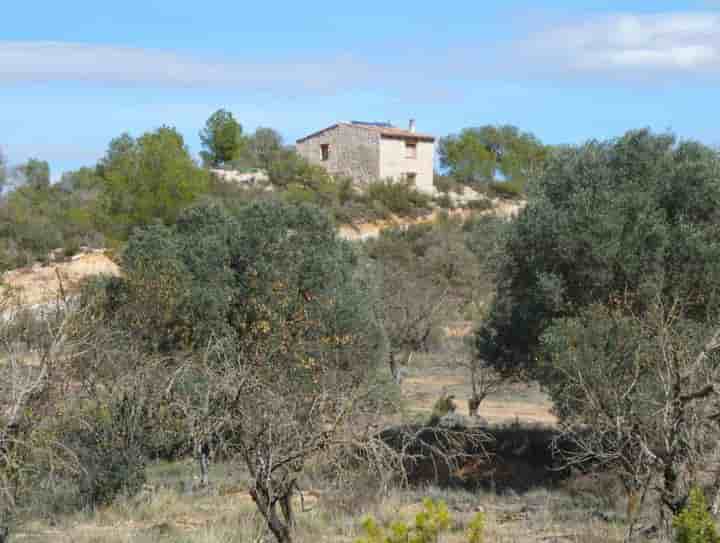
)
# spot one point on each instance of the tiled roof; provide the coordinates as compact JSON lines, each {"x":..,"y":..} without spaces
{"x":387,"y":131}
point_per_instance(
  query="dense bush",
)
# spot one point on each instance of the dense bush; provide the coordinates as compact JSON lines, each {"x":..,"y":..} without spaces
{"x":146,"y":180}
{"x":638,"y":214}
{"x":397,"y":197}
{"x":481,"y":204}
{"x":695,"y":524}
{"x":109,"y":446}
{"x":37,"y":219}
{"x":191,"y":282}
{"x":505,"y":189}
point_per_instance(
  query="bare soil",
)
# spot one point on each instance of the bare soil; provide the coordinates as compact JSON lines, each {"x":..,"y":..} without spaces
{"x":41,"y":284}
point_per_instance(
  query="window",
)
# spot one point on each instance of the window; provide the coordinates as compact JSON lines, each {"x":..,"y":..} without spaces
{"x":410,"y":149}
{"x":411,"y":177}
{"x":325,"y":151}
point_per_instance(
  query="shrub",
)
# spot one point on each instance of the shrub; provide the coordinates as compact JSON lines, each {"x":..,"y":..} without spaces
{"x":397,"y":196}
{"x":108,"y":445}
{"x":695,"y":524}
{"x":479,"y":205}
{"x":429,"y":524}
{"x":505,"y":190}
{"x":444,"y":201}
{"x":476,"y":529}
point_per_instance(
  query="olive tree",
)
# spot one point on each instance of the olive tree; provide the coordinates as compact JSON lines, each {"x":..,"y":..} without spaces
{"x":34,"y":360}
{"x":638,"y":394}
{"x":637,"y":214}
{"x":277,"y":338}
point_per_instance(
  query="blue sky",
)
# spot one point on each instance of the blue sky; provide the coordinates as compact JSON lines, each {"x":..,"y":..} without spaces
{"x":77,"y":73}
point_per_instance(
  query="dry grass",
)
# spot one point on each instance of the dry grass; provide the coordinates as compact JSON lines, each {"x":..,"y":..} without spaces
{"x":173,"y":509}
{"x":427,"y":380}
{"x":169,"y":514}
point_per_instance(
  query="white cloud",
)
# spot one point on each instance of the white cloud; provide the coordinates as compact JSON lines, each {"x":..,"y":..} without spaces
{"x":627,"y":45}
{"x":671,"y":45}
{"x":109,"y":64}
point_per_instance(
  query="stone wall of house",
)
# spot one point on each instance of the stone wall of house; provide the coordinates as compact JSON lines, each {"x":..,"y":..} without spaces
{"x":353,"y":152}
{"x":395,"y":163}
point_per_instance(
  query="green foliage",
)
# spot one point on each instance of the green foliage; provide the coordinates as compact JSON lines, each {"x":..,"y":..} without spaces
{"x":446,"y":184}
{"x":35,"y":173}
{"x":429,"y":524}
{"x":214,"y":275}
{"x":3,"y":171}
{"x":695,"y":524}
{"x":638,"y":214}
{"x":604,"y":346}
{"x":482,"y":155}
{"x":397,"y":197}
{"x":467,"y":157}
{"x":264,"y":147}
{"x":481,"y":204}
{"x":444,"y":201}
{"x":146,"y":180}
{"x":507,"y":189}
{"x":476,"y":529}
{"x":36,"y":219}
{"x":108,"y":444}
{"x":221,"y":138}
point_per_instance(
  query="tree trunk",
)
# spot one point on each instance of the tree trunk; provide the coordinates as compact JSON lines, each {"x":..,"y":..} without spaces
{"x":394,"y":370}
{"x":204,"y":461}
{"x":269,"y":512}
{"x":287,"y":511}
{"x":716,"y":482}
{"x":474,"y":405}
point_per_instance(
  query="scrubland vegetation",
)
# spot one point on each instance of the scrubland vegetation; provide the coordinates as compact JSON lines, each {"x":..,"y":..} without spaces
{"x":250,"y":376}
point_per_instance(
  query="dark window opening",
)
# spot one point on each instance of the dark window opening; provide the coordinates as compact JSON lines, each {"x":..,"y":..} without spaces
{"x":325,"y":150}
{"x":410,"y":149}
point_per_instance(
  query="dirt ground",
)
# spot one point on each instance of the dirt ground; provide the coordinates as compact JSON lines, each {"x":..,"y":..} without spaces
{"x":368,"y":230}
{"x":40,"y":284}
{"x":521,"y":401}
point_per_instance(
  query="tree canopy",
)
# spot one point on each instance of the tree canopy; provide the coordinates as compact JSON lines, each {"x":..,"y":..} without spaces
{"x":488,"y":153}
{"x":214,"y":274}
{"x":36,"y":173}
{"x":634,"y":217}
{"x":264,"y":147}
{"x":151,"y":178}
{"x":3,"y":170}
{"x":222,"y":138}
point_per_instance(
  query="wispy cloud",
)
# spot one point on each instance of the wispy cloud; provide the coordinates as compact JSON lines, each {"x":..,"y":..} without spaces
{"x":118,"y":65}
{"x":626,"y":46}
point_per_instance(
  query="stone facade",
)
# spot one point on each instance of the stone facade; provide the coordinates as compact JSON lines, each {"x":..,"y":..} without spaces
{"x":395,"y":162}
{"x":369,"y":152}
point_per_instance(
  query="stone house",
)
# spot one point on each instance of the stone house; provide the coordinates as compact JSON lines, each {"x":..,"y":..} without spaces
{"x":370,"y":151}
